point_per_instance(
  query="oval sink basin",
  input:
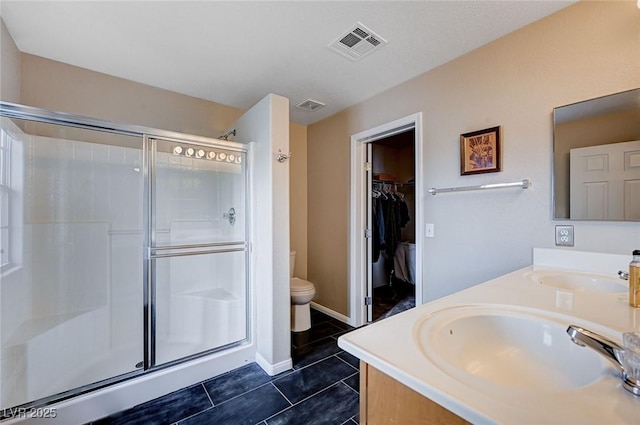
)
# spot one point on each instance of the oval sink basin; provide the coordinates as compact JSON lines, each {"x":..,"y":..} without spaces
{"x":511,"y":348}
{"x":576,"y":281}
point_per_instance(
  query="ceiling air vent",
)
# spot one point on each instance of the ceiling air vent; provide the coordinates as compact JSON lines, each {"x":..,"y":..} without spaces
{"x":357,"y":42}
{"x":310,"y":105}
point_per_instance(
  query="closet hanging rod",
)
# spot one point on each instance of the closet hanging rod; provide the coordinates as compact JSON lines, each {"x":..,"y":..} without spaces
{"x":523,"y":184}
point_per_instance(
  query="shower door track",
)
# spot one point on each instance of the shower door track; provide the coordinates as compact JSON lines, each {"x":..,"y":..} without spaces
{"x":30,"y":113}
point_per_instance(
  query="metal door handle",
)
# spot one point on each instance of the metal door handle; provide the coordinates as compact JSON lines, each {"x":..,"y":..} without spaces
{"x":230,"y":216}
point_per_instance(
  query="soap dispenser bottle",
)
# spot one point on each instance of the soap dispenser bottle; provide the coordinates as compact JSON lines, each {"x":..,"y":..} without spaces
{"x":634,"y":279}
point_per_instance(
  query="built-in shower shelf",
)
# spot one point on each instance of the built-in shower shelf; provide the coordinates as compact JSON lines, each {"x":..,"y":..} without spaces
{"x":32,"y":328}
{"x":213,"y":294}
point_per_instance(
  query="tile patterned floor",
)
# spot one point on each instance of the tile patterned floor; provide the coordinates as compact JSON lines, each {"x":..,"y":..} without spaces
{"x":392,"y":299}
{"x":321,"y":389}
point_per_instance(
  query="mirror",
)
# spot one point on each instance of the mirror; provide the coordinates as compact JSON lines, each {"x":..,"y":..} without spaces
{"x":596,"y":159}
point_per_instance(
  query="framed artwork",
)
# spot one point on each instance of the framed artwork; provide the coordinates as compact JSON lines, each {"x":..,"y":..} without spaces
{"x":480,"y":151}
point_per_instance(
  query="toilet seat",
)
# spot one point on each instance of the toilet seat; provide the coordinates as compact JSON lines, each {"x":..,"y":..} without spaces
{"x":300,"y":285}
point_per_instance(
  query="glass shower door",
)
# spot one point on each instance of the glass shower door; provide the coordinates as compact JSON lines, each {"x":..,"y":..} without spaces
{"x":72,"y":259}
{"x":197,"y":249}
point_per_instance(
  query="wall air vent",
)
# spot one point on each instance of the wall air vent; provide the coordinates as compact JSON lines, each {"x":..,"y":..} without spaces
{"x":357,"y":42}
{"x":310,"y":105}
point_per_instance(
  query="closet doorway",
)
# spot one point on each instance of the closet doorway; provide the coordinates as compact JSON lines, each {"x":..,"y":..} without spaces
{"x":392,"y":236}
{"x":385,"y":271}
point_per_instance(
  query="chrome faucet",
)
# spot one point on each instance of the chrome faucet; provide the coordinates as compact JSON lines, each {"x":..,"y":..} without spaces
{"x":623,"y":275}
{"x":607,"y":348}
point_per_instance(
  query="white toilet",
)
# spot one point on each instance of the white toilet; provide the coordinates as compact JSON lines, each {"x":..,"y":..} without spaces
{"x":302,"y":293}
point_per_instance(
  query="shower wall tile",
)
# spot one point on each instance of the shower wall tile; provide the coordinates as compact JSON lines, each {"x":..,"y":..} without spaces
{"x":80,"y":185}
{"x":99,"y":201}
{"x":208,"y":319}
{"x":70,"y":267}
{"x":72,"y":185}
{"x":62,"y":346}
{"x":38,"y":168}
{"x":64,"y":174}
{"x":15,"y":302}
{"x":126,"y":289}
{"x":187,"y":193}
{"x":126,"y":190}
{"x":203,"y":272}
{"x":186,"y":320}
{"x":14,"y":374}
{"x":61,"y":178}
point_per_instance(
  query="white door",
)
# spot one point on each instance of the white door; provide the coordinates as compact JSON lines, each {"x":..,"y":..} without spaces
{"x":369,"y":230}
{"x":605,"y":182}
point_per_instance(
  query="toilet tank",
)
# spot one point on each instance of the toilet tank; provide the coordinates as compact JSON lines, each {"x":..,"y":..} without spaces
{"x":292,"y":263}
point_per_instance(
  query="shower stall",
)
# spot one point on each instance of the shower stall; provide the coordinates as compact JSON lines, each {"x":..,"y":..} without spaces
{"x":124,"y":251}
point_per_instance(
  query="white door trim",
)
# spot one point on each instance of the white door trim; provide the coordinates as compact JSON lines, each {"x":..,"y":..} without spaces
{"x":357,"y":211}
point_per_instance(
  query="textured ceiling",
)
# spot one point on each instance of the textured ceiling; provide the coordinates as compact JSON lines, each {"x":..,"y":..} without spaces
{"x":236,"y":52}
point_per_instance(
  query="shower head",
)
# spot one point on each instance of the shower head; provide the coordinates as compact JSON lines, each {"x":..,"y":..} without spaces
{"x":226,"y":135}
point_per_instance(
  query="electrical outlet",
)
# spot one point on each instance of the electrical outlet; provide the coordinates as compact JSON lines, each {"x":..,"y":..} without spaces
{"x":429,"y":230}
{"x":564,"y":236}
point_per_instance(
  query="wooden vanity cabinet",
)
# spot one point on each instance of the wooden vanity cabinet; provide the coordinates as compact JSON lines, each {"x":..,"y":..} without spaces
{"x":385,"y":401}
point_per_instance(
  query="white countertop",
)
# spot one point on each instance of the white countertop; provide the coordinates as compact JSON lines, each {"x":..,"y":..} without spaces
{"x":390,"y":346}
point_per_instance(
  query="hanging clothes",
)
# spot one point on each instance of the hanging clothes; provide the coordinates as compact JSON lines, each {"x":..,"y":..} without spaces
{"x":378,"y":227}
{"x":403,"y":213}
{"x":404,"y":262}
{"x":391,"y":225}
{"x":390,"y":215}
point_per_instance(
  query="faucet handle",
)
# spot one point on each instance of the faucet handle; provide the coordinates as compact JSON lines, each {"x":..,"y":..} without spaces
{"x":626,"y":360}
{"x":631,"y":371}
{"x":623,"y":275}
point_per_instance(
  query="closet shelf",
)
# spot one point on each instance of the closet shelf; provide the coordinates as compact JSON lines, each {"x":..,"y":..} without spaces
{"x":392,"y":182}
{"x":524,"y":184}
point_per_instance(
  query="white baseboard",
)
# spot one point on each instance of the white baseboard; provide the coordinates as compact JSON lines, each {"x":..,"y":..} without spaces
{"x":331,"y":313}
{"x":274,"y":369}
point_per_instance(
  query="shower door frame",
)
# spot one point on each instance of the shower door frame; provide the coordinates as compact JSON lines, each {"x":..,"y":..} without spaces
{"x":151,"y":254}
{"x":30,"y":113}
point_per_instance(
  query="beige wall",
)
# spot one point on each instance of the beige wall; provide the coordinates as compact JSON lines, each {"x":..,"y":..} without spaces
{"x":298,"y":196}
{"x":9,"y":67}
{"x":62,"y":87}
{"x":587,"y":50}
{"x":328,"y":204}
